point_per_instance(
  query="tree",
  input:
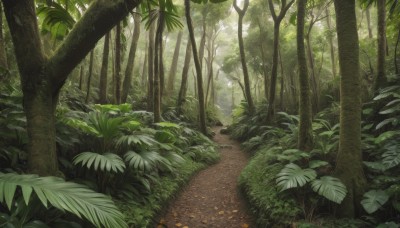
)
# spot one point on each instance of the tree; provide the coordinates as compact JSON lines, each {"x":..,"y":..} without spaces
{"x":131,"y":58}
{"x":380,"y":79}
{"x":158,"y":65}
{"x":274,"y":74}
{"x":185,"y":71}
{"x":117,"y":73}
{"x":3,"y":54}
{"x":150,"y":65}
{"x":42,"y":77}
{"x":90,"y":75}
{"x":349,"y":163}
{"x":104,"y":70}
{"x":241,"y":13}
{"x":305,"y":137}
{"x":174,"y":65}
{"x":202,"y":112}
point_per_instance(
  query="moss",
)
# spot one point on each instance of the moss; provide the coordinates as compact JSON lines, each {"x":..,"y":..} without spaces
{"x":257,"y":181}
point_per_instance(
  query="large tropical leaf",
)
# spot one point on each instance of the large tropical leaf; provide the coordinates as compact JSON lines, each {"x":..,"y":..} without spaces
{"x":330,"y":187}
{"x":373,"y":200}
{"x":391,"y":158}
{"x":292,"y":176}
{"x":105,"y":162}
{"x":69,"y":196}
{"x":144,"y":161}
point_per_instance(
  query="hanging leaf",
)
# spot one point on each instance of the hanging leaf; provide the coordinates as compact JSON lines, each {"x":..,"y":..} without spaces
{"x":373,"y":200}
{"x":330,"y":187}
{"x":292,"y":176}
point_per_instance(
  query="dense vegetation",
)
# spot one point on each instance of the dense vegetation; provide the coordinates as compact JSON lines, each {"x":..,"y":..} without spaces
{"x":103,"y":111}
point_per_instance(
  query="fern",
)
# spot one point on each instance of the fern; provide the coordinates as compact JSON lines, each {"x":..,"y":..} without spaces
{"x":104,"y":162}
{"x":330,"y":187}
{"x":145,"y":161}
{"x":72,"y":197}
{"x":292,"y":176}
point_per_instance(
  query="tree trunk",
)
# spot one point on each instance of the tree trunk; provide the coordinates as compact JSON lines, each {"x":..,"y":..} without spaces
{"x":202,"y":112}
{"x":150,"y":96}
{"x":241,"y":13}
{"x":104,"y":70}
{"x":330,"y":38}
{"x":90,"y":74}
{"x":202,"y":41}
{"x":3,"y":54}
{"x":158,"y":67}
{"x":349,"y":162}
{"x":314,"y":83}
{"x":305,"y":137}
{"x":380,"y":79}
{"x":131,"y":59}
{"x":277,"y":21}
{"x":81,"y":76}
{"x":118,"y":64}
{"x":369,"y":22}
{"x":184,"y":84}
{"x":282,"y":79}
{"x":42,"y":77}
{"x":174,"y":65}
{"x":396,"y":56}
{"x":144,"y":69}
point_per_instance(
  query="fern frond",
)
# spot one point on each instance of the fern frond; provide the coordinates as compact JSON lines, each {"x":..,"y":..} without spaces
{"x":104,"y":162}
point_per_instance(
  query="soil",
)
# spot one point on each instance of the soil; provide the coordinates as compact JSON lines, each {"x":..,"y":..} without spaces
{"x":212,"y":198}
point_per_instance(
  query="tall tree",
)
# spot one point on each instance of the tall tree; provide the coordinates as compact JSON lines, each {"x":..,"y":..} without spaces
{"x":380,"y":79}
{"x":150,"y":65}
{"x":330,"y":38}
{"x":349,"y":162}
{"x":90,"y":75}
{"x":158,"y":65}
{"x":305,"y":137}
{"x":104,"y":70}
{"x":184,"y":84}
{"x":174,"y":65}
{"x":127,"y":84}
{"x":241,"y":13}
{"x":202,"y":112}
{"x":117,"y":73}
{"x":3,"y":54}
{"x":42,"y":77}
{"x":274,"y":74}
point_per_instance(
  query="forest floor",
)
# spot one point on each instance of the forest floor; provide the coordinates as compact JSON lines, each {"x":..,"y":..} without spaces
{"x":212,"y":198}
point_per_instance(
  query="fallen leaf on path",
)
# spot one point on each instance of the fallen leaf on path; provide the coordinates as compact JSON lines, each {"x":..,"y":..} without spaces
{"x":178,"y":225}
{"x":175,"y":214}
{"x":185,"y":227}
{"x":204,"y":221}
{"x":245,"y":225}
{"x":216,"y":208}
{"x":235,"y":211}
{"x":221,"y":212}
{"x":191,"y":216}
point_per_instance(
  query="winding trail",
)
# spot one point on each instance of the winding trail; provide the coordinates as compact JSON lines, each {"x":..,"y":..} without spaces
{"x":212,"y":199}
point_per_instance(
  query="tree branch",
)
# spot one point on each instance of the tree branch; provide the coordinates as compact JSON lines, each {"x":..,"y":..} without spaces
{"x":100,"y":17}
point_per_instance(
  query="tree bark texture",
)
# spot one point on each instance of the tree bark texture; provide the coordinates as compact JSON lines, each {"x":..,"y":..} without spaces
{"x":241,"y":13}
{"x":349,"y":162}
{"x":202,"y":112}
{"x":104,"y":70}
{"x":330,"y":38}
{"x":3,"y":54}
{"x":127,"y":84}
{"x":305,"y":137}
{"x":42,"y":77}
{"x":158,"y":67}
{"x":150,"y":96}
{"x":184,"y":81}
{"x":90,"y":75}
{"x":117,"y":73}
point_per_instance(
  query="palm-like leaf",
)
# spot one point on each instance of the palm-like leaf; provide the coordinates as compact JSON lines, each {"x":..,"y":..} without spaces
{"x":105,"y":162}
{"x":391,"y":158}
{"x":144,"y":161}
{"x":75,"y":198}
{"x":330,"y":187}
{"x":373,"y":200}
{"x":137,"y":139}
{"x":293,"y":176}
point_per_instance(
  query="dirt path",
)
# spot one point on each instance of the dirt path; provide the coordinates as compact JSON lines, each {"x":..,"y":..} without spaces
{"x":211,"y":199}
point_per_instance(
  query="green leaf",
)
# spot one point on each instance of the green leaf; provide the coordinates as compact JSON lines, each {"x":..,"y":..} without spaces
{"x":317,"y":163}
{"x":104,"y":162}
{"x":165,"y":137}
{"x":292,"y":176}
{"x":97,"y":208}
{"x":391,"y":158}
{"x":330,"y":187}
{"x":373,"y":200}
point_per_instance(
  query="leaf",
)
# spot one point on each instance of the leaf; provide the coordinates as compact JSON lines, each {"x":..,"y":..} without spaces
{"x":97,"y":208}
{"x":373,"y":200}
{"x":317,"y":163}
{"x":330,"y":187}
{"x":165,"y":137}
{"x":104,"y":162}
{"x":391,"y":158}
{"x":292,"y":176}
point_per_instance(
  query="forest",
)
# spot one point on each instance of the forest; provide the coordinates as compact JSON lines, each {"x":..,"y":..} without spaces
{"x":199,"y":113}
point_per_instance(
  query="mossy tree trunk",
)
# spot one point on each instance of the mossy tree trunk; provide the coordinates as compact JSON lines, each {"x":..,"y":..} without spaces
{"x":349,"y":160}
{"x":127,"y":84}
{"x":274,"y":74}
{"x":104,"y":70}
{"x":330,"y":38}
{"x":117,"y":73}
{"x":305,"y":137}
{"x":368,"y":15}
{"x":185,"y":73}
{"x":200,"y":90}
{"x":150,"y":65}
{"x":42,"y":77}
{"x":380,"y":79}
{"x":241,"y":13}
{"x":158,"y":65}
